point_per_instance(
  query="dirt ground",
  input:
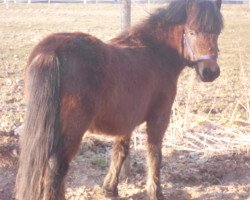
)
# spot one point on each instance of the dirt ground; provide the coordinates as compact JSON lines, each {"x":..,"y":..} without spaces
{"x":206,"y":149}
{"x":185,"y":175}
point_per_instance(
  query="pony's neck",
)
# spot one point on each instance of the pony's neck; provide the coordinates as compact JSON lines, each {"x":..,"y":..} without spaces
{"x":166,"y":42}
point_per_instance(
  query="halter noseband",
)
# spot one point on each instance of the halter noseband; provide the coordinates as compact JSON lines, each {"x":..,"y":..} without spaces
{"x":197,"y":59}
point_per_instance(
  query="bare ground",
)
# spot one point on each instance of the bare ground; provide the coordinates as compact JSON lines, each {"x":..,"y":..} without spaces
{"x":185,"y":175}
{"x":206,"y":151}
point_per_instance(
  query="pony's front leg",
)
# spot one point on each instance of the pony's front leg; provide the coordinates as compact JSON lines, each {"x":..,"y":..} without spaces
{"x":120,"y":150}
{"x":154,"y":162}
{"x":155,"y":130}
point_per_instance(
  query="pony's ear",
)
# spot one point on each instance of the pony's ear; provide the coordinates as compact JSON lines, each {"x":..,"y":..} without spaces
{"x":218,"y":3}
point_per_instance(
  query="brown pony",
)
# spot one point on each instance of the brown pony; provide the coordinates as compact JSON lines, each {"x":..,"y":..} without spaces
{"x":76,"y":82}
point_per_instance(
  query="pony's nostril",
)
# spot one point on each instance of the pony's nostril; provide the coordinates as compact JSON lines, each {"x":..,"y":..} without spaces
{"x":209,"y":74}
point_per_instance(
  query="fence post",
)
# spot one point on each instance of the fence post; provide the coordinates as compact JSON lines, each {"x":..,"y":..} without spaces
{"x":125,"y":24}
{"x":6,"y":4}
{"x":125,"y":14}
{"x":149,"y":3}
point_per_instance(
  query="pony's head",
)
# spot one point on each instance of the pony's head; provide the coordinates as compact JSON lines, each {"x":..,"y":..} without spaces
{"x":203,"y":25}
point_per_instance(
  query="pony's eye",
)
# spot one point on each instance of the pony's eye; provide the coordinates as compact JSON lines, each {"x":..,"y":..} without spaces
{"x":192,"y":33}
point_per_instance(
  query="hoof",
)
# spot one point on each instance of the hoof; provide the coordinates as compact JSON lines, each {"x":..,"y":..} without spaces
{"x":153,"y":195}
{"x":158,"y":197}
{"x":110,"y":193}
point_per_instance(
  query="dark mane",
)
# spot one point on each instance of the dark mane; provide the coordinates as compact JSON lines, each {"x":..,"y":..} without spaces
{"x":175,"y":13}
{"x":207,"y":17}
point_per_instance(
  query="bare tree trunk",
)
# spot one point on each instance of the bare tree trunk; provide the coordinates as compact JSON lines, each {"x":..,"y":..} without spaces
{"x":125,"y":14}
{"x":125,"y":24}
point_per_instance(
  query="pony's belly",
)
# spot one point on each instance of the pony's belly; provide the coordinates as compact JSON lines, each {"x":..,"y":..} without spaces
{"x":114,"y":126}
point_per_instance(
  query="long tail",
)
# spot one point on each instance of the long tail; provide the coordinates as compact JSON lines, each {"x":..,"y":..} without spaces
{"x":41,"y":130}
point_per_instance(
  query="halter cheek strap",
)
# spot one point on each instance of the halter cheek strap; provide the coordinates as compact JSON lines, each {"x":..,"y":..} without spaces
{"x":187,"y":45}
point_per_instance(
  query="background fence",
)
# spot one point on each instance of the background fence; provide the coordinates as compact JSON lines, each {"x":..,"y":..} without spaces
{"x":107,"y":1}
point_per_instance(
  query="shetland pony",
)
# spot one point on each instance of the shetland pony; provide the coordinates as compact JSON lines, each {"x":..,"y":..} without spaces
{"x":76,"y":82}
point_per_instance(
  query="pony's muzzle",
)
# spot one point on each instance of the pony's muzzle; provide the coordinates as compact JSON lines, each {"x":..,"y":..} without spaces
{"x":208,"y":70}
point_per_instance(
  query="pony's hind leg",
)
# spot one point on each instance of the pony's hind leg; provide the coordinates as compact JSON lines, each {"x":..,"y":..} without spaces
{"x":74,"y":124}
{"x":120,"y":150}
{"x":58,"y":166}
{"x":54,"y":177}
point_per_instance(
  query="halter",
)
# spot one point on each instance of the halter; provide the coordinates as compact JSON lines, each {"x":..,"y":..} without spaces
{"x":197,"y":59}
